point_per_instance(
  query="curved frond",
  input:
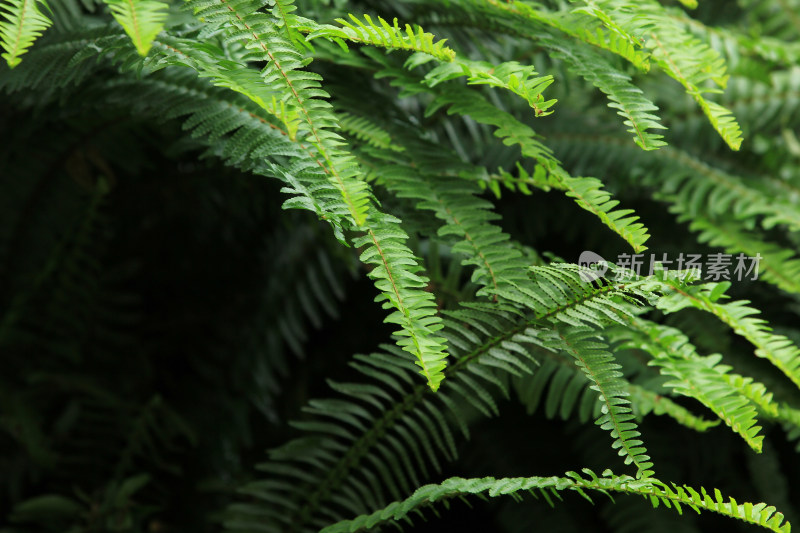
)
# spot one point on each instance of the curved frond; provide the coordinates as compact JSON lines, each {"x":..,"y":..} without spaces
{"x":550,"y":488}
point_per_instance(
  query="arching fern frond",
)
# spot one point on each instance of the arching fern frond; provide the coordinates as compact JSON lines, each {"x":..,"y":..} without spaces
{"x":646,"y":401}
{"x":519,"y":79}
{"x":353,"y":467}
{"x":776,"y":265}
{"x":588,"y":193}
{"x":550,"y":487}
{"x":629,"y":101}
{"x":367,"y":131}
{"x":310,"y":116}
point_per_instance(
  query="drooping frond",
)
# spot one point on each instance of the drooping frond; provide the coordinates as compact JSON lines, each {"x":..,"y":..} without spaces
{"x":468,"y":219}
{"x":397,"y":276}
{"x":383,"y":137}
{"x":704,"y":379}
{"x":400,"y":422}
{"x":520,"y":80}
{"x":646,"y":401}
{"x":141,"y":19}
{"x":776,"y":265}
{"x":550,"y":488}
{"x":779,"y":350}
{"x":368,"y":132}
{"x":629,"y":101}
{"x":21,"y":24}
{"x":600,"y":368}
{"x":307,"y":120}
{"x":687,"y":60}
{"x":298,"y":97}
{"x":587,"y":193}
{"x":576,"y":24}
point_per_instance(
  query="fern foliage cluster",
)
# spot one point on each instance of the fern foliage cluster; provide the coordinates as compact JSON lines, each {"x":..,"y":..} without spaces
{"x":420,"y":251}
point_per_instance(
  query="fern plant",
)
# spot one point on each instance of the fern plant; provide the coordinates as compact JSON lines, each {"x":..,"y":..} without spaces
{"x":520,"y":248}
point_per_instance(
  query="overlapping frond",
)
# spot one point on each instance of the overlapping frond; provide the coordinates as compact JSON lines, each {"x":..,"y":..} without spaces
{"x":629,"y":101}
{"x":587,"y":192}
{"x":398,"y":172}
{"x":397,"y":429}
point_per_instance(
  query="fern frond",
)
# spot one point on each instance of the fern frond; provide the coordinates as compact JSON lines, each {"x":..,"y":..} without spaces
{"x":692,"y":184}
{"x":577,"y":25}
{"x":488,"y":342}
{"x":307,"y":121}
{"x":779,"y":350}
{"x":629,"y":101}
{"x":366,"y":131}
{"x":21,"y":24}
{"x":550,"y":488}
{"x":645,"y":401}
{"x":141,"y":19}
{"x":383,"y":34}
{"x":397,"y":276}
{"x":704,"y":379}
{"x":687,"y":60}
{"x":309,"y":116}
{"x":600,"y":368}
{"x":776,"y":265}
{"x":560,"y":385}
{"x":589,"y":194}
{"x":521,"y":80}
{"x":498,"y":265}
